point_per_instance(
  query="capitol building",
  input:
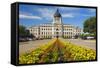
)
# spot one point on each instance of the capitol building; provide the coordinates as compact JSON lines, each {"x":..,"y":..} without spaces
{"x":55,"y":28}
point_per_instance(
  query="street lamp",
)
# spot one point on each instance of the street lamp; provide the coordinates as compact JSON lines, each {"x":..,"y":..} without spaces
{"x":57,"y":33}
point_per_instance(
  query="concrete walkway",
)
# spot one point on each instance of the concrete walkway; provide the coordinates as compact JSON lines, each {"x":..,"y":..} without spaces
{"x":84,"y":43}
{"x":25,"y":47}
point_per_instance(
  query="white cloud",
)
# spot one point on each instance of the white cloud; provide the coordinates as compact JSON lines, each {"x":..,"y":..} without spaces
{"x":28,"y":16}
{"x":92,"y":10}
{"x":69,"y":8}
{"x":69,"y":15}
{"x":46,"y":13}
{"x":86,"y":15}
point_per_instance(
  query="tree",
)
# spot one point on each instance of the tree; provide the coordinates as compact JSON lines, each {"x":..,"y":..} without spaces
{"x":90,"y":25}
{"x":23,"y":32}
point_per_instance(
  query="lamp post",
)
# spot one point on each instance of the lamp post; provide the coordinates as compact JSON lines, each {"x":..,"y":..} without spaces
{"x":57,"y":33}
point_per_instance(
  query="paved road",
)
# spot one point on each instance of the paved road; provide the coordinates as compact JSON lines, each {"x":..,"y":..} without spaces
{"x":84,"y":43}
{"x":25,"y":47}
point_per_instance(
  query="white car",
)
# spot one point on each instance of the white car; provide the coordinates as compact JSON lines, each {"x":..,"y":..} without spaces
{"x":30,"y":39}
{"x":90,"y":37}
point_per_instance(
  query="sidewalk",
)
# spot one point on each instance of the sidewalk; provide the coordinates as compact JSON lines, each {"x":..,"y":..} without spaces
{"x":84,"y":43}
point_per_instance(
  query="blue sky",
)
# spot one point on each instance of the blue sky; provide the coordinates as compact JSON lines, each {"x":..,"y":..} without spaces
{"x":30,"y":15}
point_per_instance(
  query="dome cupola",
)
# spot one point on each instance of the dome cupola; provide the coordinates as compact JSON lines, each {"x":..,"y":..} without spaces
{"x":57,"y":14}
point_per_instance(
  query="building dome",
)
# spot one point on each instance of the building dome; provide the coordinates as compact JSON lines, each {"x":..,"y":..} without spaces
{"x":57,"y":14}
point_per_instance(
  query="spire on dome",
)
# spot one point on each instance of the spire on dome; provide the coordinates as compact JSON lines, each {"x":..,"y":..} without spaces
{"x":57,"y":14}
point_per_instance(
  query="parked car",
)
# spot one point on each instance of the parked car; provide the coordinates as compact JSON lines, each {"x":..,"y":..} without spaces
{"x":30,"y":39}
{"x":90,"y":37}
{"x":23,"y":39}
